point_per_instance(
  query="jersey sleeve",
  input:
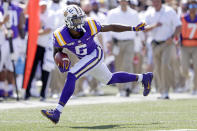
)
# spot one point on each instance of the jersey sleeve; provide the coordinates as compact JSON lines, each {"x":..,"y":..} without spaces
{"x":55,"y":43}
{"x":94,"y":26}
{"x":58,"y":38}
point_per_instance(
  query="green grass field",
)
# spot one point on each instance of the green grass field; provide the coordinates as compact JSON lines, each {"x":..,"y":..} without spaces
{"x":155,"y":115}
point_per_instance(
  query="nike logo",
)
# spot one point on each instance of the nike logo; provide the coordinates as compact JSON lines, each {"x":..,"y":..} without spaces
{"x":88,"y":38}
{"x":148,"y":85}
{"x":49,"y":114}
{"x":69,"y":44}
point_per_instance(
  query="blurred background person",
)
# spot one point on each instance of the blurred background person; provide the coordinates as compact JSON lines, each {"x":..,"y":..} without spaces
{"x":103,"y":6}
{"x":183,"y":7}
{"x":189,"y":44}
{"x":55,"y":8}
{"x":123,"y":43}
{"x":14,"y":34}
{"x":20,"y":63}
{"x":176,"y":77}
{"x":165,"y":27}
{"x":4,"y":50}
{"x":43,"y":41}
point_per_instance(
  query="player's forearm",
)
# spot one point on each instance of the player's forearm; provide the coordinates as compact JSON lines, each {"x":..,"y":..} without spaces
{"x":115,"y":28}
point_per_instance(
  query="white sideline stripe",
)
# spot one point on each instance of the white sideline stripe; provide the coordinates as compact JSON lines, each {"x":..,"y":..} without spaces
{"x":91,"y":100}
{"x":179,"y":130}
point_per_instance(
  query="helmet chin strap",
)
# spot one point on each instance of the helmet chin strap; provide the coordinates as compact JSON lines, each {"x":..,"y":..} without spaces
{"x":80,"y":28}
{"x":83,"y":28}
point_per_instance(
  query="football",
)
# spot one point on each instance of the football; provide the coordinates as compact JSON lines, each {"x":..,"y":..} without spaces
{"x":61,"y":59}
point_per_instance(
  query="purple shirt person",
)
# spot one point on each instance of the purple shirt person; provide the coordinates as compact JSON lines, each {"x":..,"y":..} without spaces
{"x":14,"y":13}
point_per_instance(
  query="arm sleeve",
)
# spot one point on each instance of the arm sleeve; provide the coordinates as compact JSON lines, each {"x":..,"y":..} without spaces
{"x":55,"y":43}
{"x":98,"y":25}
{"x":94,"y":26}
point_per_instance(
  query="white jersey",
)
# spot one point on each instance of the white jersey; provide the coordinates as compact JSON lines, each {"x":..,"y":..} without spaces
{"x":56,"y":11}
{"x":47,"y":23}
{"x":117,"y":16}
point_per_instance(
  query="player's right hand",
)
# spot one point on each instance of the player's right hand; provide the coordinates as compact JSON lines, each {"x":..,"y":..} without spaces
{"x":64,"y":68}
{"x":62,"y":61}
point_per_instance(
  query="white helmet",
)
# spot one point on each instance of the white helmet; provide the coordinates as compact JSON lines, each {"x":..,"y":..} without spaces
{"x":74,"y":17}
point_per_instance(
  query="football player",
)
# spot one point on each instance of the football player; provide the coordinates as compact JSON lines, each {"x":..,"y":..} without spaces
{"x":77,"y":35}
{"x":15,"y":26}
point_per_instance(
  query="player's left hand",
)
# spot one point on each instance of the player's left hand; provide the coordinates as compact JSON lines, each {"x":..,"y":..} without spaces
{"x":139,"y":27}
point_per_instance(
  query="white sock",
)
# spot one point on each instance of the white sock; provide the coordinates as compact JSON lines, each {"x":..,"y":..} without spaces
{"x":60,"y":108}
{"x":140,"y":77}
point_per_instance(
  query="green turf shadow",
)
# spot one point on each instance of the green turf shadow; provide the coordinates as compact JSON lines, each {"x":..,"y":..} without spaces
{"x":118,"y":126}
